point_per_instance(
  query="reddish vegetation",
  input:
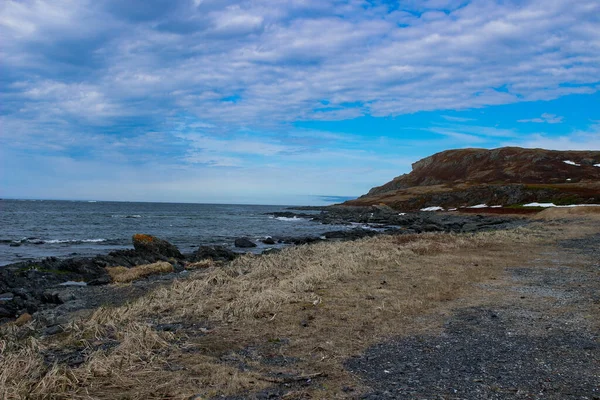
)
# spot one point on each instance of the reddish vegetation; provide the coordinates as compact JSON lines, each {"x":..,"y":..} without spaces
{"x":140,"y":237}
{"x":508,"y":175}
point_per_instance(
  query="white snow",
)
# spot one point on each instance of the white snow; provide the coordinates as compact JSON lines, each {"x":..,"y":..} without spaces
{"x":401,"y":213}
{"x":546,"y":205}
{"x":539,"y":205}
{"x":434,"y":208}
{"x":572,"y":163}
{"x":596,"y":165}
{"x":568,"y":179}
{"x":452,"y":209}
{"x":496,"y":207}
{"x":479,"y":206}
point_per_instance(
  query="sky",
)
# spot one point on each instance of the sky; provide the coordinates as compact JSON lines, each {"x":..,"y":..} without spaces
{"x":281,"y":102}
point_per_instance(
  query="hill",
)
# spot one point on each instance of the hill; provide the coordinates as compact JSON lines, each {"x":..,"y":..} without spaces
{"x":503,"y":176}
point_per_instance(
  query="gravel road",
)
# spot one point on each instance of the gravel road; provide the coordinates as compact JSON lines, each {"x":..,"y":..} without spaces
{"x":541,"y":344}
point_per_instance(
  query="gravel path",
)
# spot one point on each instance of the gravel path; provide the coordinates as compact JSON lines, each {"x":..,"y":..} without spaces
{"x":539,"y":344}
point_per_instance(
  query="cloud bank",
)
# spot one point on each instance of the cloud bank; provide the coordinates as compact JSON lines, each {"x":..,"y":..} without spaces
{"x":223,"y":84}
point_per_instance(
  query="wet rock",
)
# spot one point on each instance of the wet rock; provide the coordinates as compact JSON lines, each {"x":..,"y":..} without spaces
{"x":268,"y":240}
{"x":216,"y":253}
{"x":244,"y":243}
{"x":151,"y":244}
{"x":6,"y":296}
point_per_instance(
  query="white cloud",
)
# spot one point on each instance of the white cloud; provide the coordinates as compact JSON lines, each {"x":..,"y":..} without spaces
{"x":545,"y":118}
{"x":284,"y":58}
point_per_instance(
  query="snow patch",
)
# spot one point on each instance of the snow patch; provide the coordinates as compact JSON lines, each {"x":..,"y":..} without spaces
{"x":596,"y":165}
{"x":547,"y":205}
{"x":539,"y":205}
{"x":435,"y":208}
{"x":572,"y":163}
{"x":479,"y":206}
{"x":496,"y":207}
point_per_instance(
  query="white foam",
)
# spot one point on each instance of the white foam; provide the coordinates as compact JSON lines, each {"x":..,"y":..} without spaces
{"x":295,"y":219}
{"x":479,"y":206}
{"x":452,"y":209}
{"x":596,"y":165}
{"x":434,"y":208}
{"x":572,"y":163}
{"x":496,"y":207}
{"x":54,"y":241}
{"x":401,"y":213}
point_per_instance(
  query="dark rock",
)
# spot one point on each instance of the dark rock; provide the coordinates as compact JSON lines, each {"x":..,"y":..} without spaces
{"x":268,"y":240}
{"x":351,"y":234}
{"x":6,"y":296}
{"x":53,"y":330}
{"x":244,"y":243}
{"x":151,"y":244}
{"x":103,"y":280}
{"x":6,"y":312}
{"x":216,"y":253}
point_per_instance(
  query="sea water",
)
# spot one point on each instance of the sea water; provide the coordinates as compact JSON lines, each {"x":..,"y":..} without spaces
{"x":43,"y":228}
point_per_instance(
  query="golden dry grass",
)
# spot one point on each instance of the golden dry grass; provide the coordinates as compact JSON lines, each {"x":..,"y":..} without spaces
{"x":323,"y":303}
{"x":568,"y":212}
{"x":208,"y":263}
{"x":124,"y":275}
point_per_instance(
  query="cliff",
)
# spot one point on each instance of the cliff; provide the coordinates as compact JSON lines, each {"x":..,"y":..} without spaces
{"x":506,"y":176}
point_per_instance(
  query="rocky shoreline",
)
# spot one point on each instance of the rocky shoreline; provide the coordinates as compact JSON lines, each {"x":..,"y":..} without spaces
{"x":50,"y":290}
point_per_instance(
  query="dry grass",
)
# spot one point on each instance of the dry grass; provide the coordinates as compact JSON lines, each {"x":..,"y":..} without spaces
{"x":208,"y":263}
{"x":123,"y":274}
{"x":569,"y":212}
{"x":320,"y":304}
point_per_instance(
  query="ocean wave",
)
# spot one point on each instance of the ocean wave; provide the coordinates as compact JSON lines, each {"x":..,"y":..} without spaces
{"x":289,"y":218}
{"x":34,"y":240}
{"x":54,"y":241}
{"x":126,"y":216}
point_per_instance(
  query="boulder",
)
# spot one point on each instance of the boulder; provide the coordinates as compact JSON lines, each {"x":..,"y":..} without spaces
{"x":216,"y":253}
{"x":244,"y":243}
{"x":268,"y":240}
{"x":151,"y":244}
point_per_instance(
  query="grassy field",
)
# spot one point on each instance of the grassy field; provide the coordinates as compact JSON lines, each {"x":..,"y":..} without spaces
{"x":278,"y":319}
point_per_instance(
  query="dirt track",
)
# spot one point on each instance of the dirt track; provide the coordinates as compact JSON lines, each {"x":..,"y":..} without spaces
{"x":536,"y":337}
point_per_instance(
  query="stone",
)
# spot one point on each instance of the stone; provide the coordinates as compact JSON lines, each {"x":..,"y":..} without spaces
{"x":6,"y":296}
{"x":268,"y":240}
{"x":244,"y":243}
{"x":23,"y":319}
{"x":216,"y":253}
{"x":151,"y":244}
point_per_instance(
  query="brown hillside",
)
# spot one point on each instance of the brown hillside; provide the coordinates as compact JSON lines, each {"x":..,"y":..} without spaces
{"x":508,"y":175}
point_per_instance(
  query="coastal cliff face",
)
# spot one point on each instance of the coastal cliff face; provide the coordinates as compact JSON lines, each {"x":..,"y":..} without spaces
{"x":505,"y":176}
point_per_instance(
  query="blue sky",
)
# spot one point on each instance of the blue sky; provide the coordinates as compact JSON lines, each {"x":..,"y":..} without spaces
{"x":287,"y":102}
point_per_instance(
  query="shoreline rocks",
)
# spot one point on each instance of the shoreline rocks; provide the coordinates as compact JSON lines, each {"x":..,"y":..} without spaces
{"x":38,"y":287}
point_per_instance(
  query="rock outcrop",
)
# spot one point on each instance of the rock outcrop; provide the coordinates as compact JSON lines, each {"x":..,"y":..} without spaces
{"x":508,"y":175}
{"x":150,"y":244}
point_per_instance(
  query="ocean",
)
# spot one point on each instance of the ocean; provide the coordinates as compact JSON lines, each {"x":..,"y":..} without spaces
{"x":34,"y":229}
